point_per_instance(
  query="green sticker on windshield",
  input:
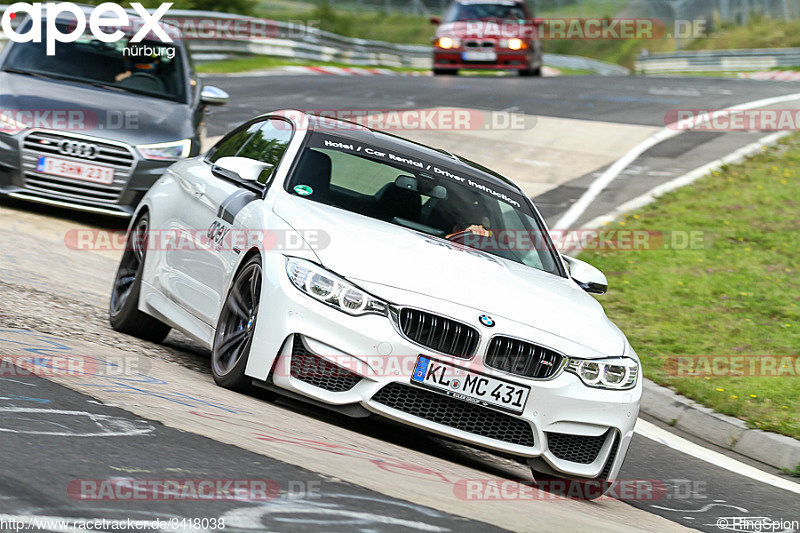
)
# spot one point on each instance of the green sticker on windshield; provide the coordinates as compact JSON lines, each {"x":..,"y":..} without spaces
{"x":303,"y":190}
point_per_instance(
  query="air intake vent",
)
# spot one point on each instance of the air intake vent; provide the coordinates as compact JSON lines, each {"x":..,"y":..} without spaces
{"x":575,"y":448}
{"x":309,"y":367}
{"x":454,"y":413}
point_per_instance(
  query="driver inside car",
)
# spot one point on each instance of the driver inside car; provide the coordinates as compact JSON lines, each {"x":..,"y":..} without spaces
{"x":481,"y":230}
{"x":137,"y":62}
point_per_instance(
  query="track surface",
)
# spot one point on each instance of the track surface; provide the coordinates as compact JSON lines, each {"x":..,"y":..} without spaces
{"x":39,"y":297}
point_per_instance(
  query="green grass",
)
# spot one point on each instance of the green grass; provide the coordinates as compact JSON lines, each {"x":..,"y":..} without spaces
{"x":737,"y":294}
{"x":401,"y":28}
{"x":244,"y":64}
{"x":794,"y":472}
{"x":416,"y":29}
{"x":760,"y":32}
{"x":250,"y":63}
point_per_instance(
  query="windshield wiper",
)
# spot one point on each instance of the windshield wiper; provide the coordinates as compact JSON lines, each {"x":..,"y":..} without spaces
{"x":24,"y":72}
{"x":102,"y":85}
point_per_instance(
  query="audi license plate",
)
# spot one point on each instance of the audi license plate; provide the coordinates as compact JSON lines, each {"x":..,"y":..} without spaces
{"x":73,"y":169}
{"x":470,"y":386}
{"x":479,"y":56}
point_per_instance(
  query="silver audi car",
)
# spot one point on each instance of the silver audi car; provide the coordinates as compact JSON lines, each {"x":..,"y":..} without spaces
{"x":94,"y":125}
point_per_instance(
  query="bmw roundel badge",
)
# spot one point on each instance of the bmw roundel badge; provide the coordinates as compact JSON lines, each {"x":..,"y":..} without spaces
{"x":487,"y":321}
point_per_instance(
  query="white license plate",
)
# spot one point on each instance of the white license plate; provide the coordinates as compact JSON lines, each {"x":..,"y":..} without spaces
{"x":470,"y":386}
{"x":73,"y":169}
{"x":479,"y":56}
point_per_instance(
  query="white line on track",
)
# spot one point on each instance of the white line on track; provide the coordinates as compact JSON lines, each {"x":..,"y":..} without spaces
{"x":685,"y":179}
{"x":662,"y":436}
{"x":672,"y":130}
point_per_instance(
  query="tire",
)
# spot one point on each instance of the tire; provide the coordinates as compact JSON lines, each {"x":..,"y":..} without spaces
{"x":531,"y":72}
{"x":445,"y":72}
{"x":575,"y":488}
{"x":123,"y":310}
{"x":235,"y":328}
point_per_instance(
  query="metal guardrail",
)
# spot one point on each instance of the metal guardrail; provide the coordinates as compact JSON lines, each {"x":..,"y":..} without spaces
{"x":719,"y":60}
{"x":212,"y":33}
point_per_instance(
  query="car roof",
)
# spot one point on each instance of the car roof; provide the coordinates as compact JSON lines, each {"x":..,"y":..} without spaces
{"x":362,"y":134}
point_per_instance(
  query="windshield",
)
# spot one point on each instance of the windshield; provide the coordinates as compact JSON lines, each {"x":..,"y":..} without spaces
{"x":423,"y":195}
{"x":479,"y":11}
{"x":151,"y":68}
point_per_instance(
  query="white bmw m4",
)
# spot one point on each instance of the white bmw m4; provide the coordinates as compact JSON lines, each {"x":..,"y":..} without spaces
{"x":357,"y":270}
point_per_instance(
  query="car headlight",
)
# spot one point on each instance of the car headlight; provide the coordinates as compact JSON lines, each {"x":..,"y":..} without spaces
{"x":170,"y":150}
{"x":9,"y":125}
{"x":513,"y":44}
{"x":448,"y":42}
{"x":330,"y":289}
{"x":616,"y":374}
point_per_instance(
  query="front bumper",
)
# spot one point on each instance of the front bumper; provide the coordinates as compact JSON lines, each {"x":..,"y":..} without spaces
{"x":576,"y":430}
{"x":506,"y":60}
{"x":19,"y":178}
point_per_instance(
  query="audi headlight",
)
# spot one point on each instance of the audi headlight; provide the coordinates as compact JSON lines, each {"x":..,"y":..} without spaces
{"x":330,"y":289}
{"x":616,"y":374}
{"x":448,"y":42}
{"x":10,"y":125}
{"x":170,"y":150}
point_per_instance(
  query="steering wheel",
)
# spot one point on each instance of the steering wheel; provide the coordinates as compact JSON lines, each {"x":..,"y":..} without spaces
{"x":146,"y":76}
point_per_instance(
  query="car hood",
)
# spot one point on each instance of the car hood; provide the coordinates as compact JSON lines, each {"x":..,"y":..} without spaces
{"x":485,"y":29}
{"x":150,"y":120}
{"x":364,"y":249}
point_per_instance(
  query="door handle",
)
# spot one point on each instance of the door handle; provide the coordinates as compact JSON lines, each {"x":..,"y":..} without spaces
{"x":199,"y":190}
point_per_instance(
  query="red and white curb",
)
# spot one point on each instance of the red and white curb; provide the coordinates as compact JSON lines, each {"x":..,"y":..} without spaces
{"x":776,"y":75}
{"x":294,"y":70}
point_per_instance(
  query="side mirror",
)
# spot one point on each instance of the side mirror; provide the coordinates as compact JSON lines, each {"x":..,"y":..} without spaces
{"x":214,"y":96}
{"x":586,"y":276}
{"x":246,"y":169}
{"x":435,"y":20}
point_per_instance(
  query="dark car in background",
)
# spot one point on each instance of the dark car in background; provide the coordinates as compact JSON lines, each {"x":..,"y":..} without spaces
{"x":487,"y":35}
{"x":94,"y":125}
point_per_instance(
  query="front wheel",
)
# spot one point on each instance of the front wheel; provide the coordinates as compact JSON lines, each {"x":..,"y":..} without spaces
{"x":236,"y":327}
{"x":531,"y":72}
{"x":123,"y":310}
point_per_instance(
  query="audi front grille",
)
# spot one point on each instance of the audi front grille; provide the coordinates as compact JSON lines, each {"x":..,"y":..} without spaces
{"x":522,"y":358}
{"x":89,"y":150}
{"x":438,"y":333}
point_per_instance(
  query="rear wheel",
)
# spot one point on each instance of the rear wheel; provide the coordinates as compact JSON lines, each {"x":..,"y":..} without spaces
{"x":236,"y":327}
{"x":123,"y":312}
{"x":445,"y":72}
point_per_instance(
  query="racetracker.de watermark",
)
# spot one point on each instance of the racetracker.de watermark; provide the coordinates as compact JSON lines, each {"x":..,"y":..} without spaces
{"x":732,"y":366}
{"x":556,"y":489}
{"x":217,"y":237}
{"x":73,"y":119}
{"x":221,"y":236}
{"x":435,"y":119}
{"x":733,"y":119}
{"x":130,"y":489}
{"x":72,"y":365}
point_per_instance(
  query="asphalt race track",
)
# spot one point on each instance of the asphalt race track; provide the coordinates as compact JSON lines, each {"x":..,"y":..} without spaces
{"x":335,"y":473}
